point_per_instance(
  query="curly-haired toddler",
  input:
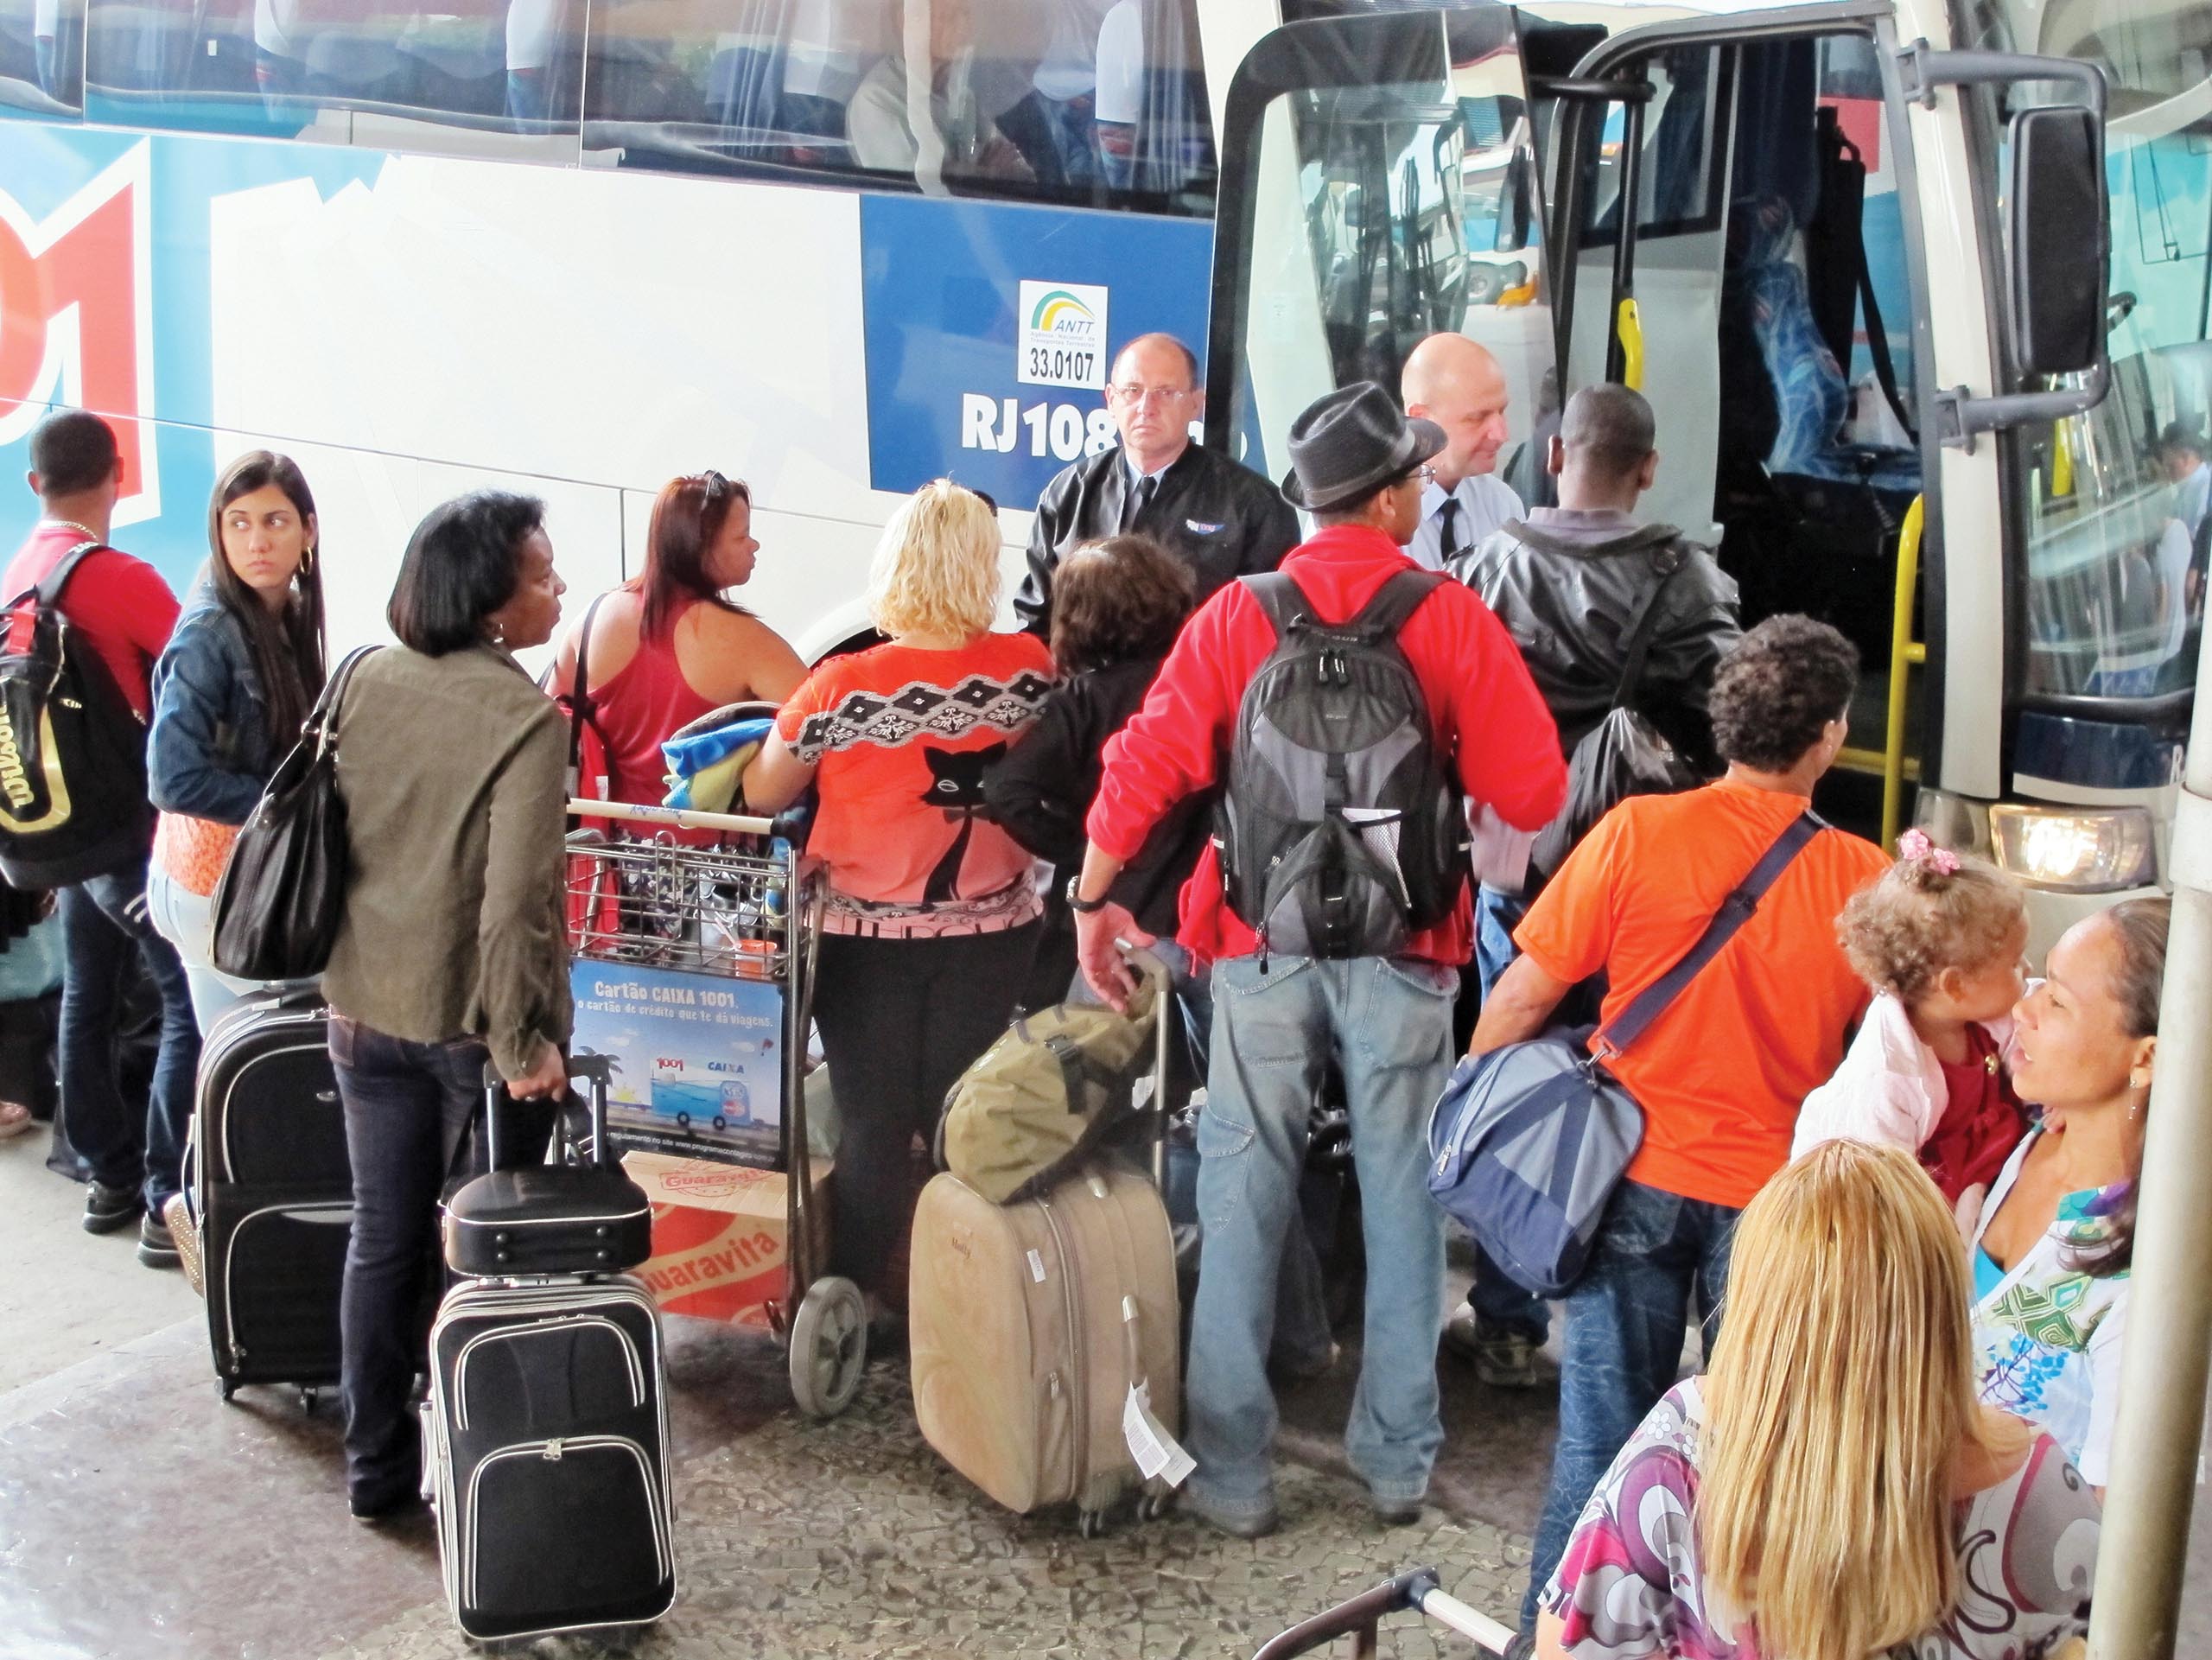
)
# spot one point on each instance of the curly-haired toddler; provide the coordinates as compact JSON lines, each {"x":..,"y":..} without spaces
{"x":1941,"y":940}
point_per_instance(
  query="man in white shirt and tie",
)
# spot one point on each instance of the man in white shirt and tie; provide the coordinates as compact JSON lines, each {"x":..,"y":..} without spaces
{"x":1456,"y":383}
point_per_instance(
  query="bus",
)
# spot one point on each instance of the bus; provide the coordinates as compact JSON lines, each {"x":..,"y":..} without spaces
{"x":1915,"y":287}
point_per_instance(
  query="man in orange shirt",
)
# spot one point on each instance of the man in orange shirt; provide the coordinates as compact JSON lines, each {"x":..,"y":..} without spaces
{"x":1721,"y":1074}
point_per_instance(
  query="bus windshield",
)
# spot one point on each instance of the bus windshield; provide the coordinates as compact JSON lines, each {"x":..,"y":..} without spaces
{"x":2115,"y":502}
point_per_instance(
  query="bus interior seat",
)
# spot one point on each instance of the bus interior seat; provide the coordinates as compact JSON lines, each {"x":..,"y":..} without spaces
{"x":747,"y":93}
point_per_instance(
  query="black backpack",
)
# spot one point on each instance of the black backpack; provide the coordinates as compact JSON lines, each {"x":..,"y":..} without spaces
{"x":72,"y":753}
{"x":1341,"y":832}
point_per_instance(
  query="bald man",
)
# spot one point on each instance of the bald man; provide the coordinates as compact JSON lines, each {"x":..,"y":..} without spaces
{"x":1456,"y":383}
{"x":1221,"y":519}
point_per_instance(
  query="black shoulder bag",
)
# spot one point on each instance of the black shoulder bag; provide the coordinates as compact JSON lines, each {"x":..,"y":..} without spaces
{"x":282,"y":895}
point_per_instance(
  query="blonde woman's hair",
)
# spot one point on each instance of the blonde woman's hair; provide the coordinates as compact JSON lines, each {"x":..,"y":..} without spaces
{"x":936,"y":568}
{"x":1841,"y":1397}
{"x":1920,"y":917}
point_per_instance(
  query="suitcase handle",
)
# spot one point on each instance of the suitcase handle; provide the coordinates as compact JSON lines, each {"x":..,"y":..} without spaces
{"x":596,"y":1069}
{"x":1165,"y":1007}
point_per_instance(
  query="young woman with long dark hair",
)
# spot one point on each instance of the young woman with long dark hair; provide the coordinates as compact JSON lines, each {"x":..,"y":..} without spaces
{"x":239,"y":675}
{"x":667,"y":647}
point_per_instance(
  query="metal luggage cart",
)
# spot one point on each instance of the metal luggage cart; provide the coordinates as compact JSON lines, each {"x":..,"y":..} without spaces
{"x":742,"y":908}
{"x":1358,"y":1619}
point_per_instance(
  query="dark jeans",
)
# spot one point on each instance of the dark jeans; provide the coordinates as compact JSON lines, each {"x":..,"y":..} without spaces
{"x":901,"y":1020}
{"x":1623,"y":1345}
{"x":411,"y":1111}
{"x":103,"y":923}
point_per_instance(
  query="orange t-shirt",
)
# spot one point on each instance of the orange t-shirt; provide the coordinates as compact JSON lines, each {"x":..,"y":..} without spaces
{"x":1722,"y":1072}
{"x":900,"y":739}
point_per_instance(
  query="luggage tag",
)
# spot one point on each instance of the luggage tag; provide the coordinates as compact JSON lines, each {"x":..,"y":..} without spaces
{"x":1157,"y":1452}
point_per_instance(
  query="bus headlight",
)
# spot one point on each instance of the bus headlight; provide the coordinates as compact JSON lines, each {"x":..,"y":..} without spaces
{"x":2084,"y":851}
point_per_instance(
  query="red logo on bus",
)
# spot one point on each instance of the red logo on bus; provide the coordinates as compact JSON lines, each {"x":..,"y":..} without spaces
{"x":76,"y":317}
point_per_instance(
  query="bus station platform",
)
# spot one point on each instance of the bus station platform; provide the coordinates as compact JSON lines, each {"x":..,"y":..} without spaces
{"x":140,"y":1515}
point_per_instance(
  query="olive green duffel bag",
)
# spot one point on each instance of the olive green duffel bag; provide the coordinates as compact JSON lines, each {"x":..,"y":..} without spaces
{"x":1054,"y":1088}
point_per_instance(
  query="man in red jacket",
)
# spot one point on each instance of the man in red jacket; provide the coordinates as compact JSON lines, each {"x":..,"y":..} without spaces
{"x":123,"y":611}
{"x":1384,"y":1021}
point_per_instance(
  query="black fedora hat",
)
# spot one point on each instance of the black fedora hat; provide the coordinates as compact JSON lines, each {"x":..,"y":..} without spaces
{"x":1350,"y":443}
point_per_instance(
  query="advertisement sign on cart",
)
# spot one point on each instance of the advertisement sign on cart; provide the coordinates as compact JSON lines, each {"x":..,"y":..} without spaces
{"x":699,"y":1060}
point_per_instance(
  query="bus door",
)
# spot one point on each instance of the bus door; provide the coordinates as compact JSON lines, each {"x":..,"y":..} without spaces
{"x":1379,"y":183}
{"x":1743,"y":234}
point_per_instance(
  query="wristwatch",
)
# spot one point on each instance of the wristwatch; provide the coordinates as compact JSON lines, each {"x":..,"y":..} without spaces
{"x":1080,"y":906}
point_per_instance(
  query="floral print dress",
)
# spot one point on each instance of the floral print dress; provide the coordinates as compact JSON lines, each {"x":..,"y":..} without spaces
{"x":1632,"y":1581}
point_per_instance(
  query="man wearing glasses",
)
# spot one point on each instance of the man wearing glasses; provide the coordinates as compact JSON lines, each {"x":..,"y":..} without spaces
{"x":1222,"y":519}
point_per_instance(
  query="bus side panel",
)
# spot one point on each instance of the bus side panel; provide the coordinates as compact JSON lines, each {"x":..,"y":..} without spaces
{"x":991,"y":328}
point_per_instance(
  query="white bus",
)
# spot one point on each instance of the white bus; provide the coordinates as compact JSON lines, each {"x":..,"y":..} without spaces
{"x":838,"y":247}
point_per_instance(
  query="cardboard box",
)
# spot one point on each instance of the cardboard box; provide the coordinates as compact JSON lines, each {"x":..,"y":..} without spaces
{"x":721,"y":1236}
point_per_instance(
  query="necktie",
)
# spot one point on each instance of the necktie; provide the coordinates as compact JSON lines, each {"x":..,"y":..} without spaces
{"x":1140,"y":498}
{"x":1447,"y":519}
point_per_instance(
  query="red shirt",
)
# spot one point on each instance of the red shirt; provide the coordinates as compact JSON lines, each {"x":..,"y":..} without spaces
{"x":1982,"y":1123}
{"x":1488,"y":717}
{"x":120,"y":604}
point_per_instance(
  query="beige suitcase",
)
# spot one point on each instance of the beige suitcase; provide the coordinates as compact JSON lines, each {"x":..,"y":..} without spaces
{"x":1029,"y":1323}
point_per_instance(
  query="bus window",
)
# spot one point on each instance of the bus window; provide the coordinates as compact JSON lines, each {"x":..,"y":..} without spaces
{"x":1077,"y":101}
{"x":2115,"y":500}
{"x":42,"y":55}
{"x":390,"y":76}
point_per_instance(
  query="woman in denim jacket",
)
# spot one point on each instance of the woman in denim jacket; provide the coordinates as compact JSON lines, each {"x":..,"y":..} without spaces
{"x":241,"y":673}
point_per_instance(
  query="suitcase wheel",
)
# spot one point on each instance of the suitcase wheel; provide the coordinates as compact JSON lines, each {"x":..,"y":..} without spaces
{"x":1152,"y":1506}
{"x":1090,"y":1523}
{"x":309,"y":1398}
{"x":829,"y":1347}
{"x":225,"y":1389}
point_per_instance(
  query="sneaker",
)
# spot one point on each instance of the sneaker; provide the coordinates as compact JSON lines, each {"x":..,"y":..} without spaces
{"x":157,"y":1246}
{"x":107,"y":1209}
{"x":176,"y":1217}
{"x":1306,"y":1369}
{"x":1395,"y":1513}
{"x":1237,"y":1524}
{"x":1511,"y":1360}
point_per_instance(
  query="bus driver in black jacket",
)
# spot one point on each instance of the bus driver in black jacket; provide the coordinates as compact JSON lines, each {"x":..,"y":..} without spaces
{"x":1221,"y":520}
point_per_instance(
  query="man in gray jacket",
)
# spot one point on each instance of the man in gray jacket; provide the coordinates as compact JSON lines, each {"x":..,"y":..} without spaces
{"x":1570,"y":584}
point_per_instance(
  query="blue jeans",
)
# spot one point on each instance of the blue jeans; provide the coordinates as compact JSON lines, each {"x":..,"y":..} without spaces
{"x":1625,"y":1319}
{"x":1388,"y":1024}
{"x":104,"y":921}
{"x":411,"y":1112}
{"x":1497,"y":914}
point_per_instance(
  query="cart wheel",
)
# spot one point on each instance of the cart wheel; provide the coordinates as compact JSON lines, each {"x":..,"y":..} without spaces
{"x":829,"y":1347}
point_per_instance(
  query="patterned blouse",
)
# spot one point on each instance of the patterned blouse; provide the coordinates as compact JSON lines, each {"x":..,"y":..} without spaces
{"x":1632,"y":1582}
{"x":901,"y":738}
{"x":2047,"y":1339}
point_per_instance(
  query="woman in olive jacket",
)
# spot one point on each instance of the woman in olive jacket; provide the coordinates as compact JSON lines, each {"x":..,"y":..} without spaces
{"x":452,"y":948}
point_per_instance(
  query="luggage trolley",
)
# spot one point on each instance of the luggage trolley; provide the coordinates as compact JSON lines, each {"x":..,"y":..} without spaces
{"x":741,"y":909}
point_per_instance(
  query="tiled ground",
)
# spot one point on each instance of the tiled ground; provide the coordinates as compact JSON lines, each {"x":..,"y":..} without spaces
{"x":140,"y":1515}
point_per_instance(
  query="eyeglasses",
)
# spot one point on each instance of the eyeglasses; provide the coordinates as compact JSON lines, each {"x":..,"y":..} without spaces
{"x":1143,"y":394}
{"x":1424,"y":474}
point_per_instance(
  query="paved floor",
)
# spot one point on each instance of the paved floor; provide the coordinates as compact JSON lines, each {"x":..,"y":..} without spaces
{"x":141,"y":1516}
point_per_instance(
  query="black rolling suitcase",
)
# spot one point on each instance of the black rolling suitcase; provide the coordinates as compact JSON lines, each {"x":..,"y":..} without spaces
{"x":546,"y":1430}
{"x":271,"y":1193}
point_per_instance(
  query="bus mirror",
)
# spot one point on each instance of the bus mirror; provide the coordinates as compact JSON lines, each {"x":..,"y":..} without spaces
{"x":2060,"y":239}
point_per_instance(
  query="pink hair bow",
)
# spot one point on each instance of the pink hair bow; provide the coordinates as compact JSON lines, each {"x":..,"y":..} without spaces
{"x":1918,"y":846}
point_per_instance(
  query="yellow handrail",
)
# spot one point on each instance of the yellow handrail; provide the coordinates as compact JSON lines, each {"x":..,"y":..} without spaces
{"x":1631,"y":328}
{"x":1905,"y":654}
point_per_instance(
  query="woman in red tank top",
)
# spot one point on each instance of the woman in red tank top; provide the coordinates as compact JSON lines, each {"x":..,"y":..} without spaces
{"x":666,"y":646}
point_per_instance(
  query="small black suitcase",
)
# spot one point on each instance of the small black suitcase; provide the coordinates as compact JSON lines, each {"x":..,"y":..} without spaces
{"x":546,"y":1430}
{"x":271,"y":1192}
{"x":550,"y":1219}
{"x":547,"y":1456}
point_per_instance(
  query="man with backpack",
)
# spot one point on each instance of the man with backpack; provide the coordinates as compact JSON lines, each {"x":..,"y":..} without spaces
{"x":1347,"y":704}
{"x":1605,"y":610}
{"x":84,"y":625}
